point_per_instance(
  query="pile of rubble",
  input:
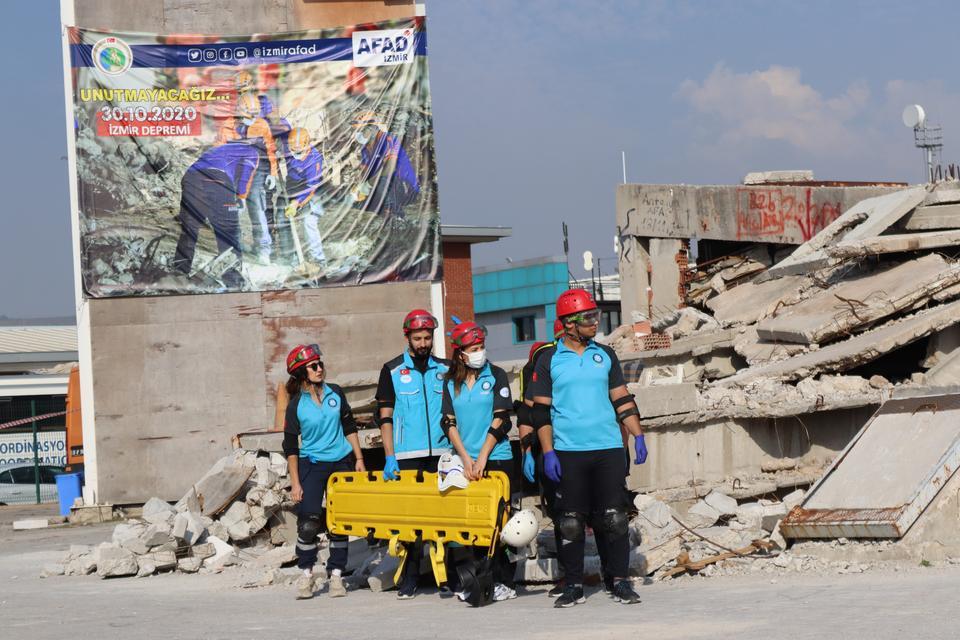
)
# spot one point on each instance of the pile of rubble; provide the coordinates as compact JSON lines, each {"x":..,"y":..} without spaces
{"x":809,"y":332}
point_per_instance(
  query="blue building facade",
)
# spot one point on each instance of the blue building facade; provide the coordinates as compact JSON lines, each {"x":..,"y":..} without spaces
{"x":516,"y":303}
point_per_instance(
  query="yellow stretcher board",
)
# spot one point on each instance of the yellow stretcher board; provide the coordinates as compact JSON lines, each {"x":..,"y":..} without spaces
{"x":363,"y":504}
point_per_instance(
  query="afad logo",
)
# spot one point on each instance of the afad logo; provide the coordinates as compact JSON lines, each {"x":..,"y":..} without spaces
{"x":383,"y":48}
{"x":112,"y":56}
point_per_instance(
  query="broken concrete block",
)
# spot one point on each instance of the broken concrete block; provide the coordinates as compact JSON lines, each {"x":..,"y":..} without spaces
{"x":189,"y":564}
{"x":381,"y":573}
{"x":52,"y":569}
{"x":723,"y":503}
{"x":157,"y":511}
{"x":127,"y":531}
{"x":169,"y":545}
{"x":777,"y":538}
{"x":203,"y":551}
{"x":539,"y":570}
{"x":157,"y":534}
{"x":239,"y":531}
{"x":258,"y":518}
{"x":146,"y":566}
{"x":114,"y":562}
{"x":772,"y":465}
{"x":136,"y":545}
{"x":667,"y":399}
{"x":255,"y":495}
{"x":30,"y":523}
{"x":644,"y":562}
{"x":189,"y":502}
{"x":163,"y":560}
{"x":76,"y":551}
{"x":188,"y":527}
{"x":277,"y":557}
{"x":218,"y":529}
{"x":750,"y":514}
{"x":772,"y":515}
{"x":222,"y":552}
{"x":271,"y":499}
{"x":658,"y":514}
{"x":793,"y":499}
{"x":701,"y":515}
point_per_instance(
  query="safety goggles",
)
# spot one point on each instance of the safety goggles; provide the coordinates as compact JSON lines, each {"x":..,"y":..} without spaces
{"x":585,"y":318}
{"x":315,"y":366}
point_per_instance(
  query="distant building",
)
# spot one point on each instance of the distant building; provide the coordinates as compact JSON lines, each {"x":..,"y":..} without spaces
{"x":516,"y":303}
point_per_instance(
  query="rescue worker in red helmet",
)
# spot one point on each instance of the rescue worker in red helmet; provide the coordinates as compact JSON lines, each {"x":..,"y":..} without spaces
{"x":580,"y":400}
{"x":476,"y":420}
{"x":409,"y":395}
{"x":319,"y":438}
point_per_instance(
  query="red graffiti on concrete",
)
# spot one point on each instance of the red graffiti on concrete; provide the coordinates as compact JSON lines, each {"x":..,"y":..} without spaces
{"x":782,"y":212}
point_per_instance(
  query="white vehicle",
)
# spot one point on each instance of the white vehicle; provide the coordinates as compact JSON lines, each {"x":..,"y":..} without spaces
{"x":18,"y":484}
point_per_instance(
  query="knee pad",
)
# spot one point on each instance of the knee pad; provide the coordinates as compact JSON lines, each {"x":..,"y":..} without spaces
{"x":615,"y":522}
{"x":571,"y":526}
{"x":309,"y":528}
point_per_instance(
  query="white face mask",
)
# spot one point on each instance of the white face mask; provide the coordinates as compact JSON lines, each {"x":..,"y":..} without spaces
{"x":476,"y":359}
{"x":361,"y":137}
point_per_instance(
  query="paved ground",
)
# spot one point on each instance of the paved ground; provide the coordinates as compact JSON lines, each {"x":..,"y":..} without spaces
{"x":909,"y":604}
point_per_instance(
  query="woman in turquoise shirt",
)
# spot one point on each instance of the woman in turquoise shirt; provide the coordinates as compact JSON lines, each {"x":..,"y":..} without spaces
{"x":476,"y":420}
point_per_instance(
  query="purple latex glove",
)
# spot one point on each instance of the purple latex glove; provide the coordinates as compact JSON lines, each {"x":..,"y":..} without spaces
{"x":640,"y":447}
{"x":551,"y":465}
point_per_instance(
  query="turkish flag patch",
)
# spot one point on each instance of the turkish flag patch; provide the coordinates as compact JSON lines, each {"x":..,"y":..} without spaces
{"x":404,"y":372}
{"x":534,"y":376}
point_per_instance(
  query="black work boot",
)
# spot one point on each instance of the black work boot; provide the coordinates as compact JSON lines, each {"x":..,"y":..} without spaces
{"x":572,"y":594}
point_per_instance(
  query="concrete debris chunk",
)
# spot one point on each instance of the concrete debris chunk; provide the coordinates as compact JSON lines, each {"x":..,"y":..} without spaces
{"x":222,"y":551}
{"x":52,"y":569}
{"x":30,"y":523}
{"x":113,"y":562}
{"x":644,"y":562}
{"x":127,"y":531}
{"x":145,"y":566}
{"x":189,"y":564}
{"x":701,"y":515}
{"x":188,"y":527}
{"x":157,"y":511}
{"x":772,"y":515}
{"x":724,"y":504}
{"x":277,"y":557}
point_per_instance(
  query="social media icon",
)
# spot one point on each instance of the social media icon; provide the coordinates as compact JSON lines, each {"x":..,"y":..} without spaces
{"x":240,"y":54}
{"x":209,"y":55}
{"x":226,"y":54}
{"x":193,"y":55}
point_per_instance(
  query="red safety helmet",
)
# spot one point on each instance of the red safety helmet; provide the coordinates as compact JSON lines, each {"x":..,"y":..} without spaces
{"x":557,"y":329}
{"x":573,"y":301}
{"x":419,"y":319}
{"x":302,"y":355}
{"x":533,"y":349}
{"x":466,"y":334}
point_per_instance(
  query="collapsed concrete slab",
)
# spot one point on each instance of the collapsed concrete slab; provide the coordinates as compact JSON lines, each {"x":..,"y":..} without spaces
{"x":866,"y":219}
{"x":931,"y":218}
{"x":752,"y":301}
{"x":667,"y":399}
{"x":854,"y":303}
{"x":918,"y":440}
{"x":899,"y":243}
{"x":860,"y":349}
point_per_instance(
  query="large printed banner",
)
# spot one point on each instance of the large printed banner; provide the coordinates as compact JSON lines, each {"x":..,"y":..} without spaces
{"x":213,"y":164}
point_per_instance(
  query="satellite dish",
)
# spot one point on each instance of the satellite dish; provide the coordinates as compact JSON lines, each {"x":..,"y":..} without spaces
{"x":914,"y":116}
{"x":588,"y":260}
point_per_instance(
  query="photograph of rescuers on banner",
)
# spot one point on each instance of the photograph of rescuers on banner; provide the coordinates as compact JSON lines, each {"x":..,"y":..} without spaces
{"x":211,"y":164}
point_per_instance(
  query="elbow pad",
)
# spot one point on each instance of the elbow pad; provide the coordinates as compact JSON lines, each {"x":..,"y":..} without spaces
{"x":349,"y":424}
{"x":291,"y":444}
{"x":540,"y":415}
{"x":632,"y":411}
{"x":523,"y":414}
{"x":500,"y":433}
{"x":619,"y":402}
{"x":446,"y":423}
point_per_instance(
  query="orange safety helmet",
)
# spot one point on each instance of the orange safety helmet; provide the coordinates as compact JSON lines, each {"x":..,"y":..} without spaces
{"x":466,"y":334}
{"x":248,"y":105}
{"x":301,"y":356}
{"x":299,"y":142}
{"x":573,"y":301}
{"x":419,"y":319}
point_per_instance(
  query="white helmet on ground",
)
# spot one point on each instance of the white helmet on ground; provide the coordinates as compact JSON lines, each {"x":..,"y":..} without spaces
{"x":450,"y":472}
{"x":521,"y":529}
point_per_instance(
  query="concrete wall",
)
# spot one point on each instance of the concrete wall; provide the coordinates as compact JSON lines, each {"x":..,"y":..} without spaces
{"x":167,"y":381}
{"x":652,"y":219}
{"x":725,"y":449}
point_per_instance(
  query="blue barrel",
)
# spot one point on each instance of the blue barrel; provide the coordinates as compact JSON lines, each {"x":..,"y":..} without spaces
{"x":68,"y":490}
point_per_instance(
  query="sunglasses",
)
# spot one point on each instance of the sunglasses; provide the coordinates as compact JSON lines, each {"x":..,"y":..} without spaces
{"x":315,"y":366}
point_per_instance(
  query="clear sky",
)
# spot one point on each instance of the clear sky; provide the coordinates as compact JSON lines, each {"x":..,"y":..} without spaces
{"x":535,"y":99}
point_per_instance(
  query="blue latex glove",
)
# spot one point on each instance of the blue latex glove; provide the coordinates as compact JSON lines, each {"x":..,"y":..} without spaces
{"x":551,"y":465}
{"x":529,"y":467}
{"x":391,"y":470}
{"x":640,"y":447}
